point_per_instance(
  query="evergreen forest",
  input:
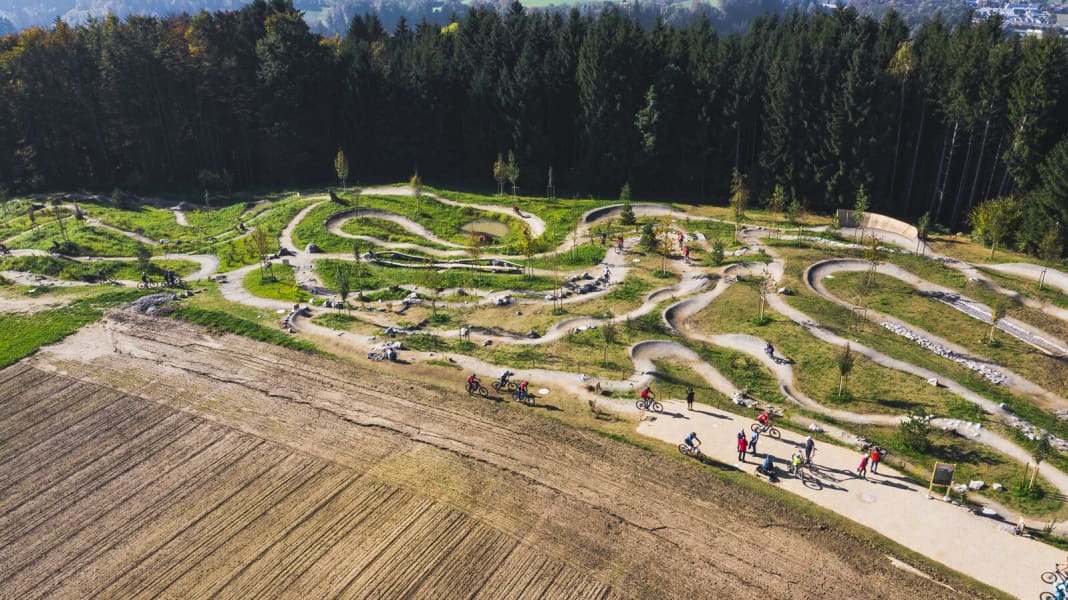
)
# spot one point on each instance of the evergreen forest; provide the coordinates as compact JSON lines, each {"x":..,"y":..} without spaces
{"x":810,"y":109}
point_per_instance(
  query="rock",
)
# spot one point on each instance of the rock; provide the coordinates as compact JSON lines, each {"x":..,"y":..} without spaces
{"x":933,"y":381}
{"x":487,"y":342}
{"x":976,"y":485}
{"x":815,"y":428}
{"x":997,"y":487}
{"x":313,"y":249}
{"x":533,"y":335}
{"x":1005,"y":407}
{"x":960,"y":488}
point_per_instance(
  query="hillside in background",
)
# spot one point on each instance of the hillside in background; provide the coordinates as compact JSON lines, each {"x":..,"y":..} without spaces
{"x":330,"y":17}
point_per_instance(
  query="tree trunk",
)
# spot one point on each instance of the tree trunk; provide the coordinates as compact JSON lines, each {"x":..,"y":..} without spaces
{"x":941,"y":189}
{"x":1034,"y":476}
{"x":897,"y":142}
{"x":979,"y":167}
{"x":915,"y":156}
{"x":994,"y":168}
{"x":841,"y":382}
{"x":963,"y":175}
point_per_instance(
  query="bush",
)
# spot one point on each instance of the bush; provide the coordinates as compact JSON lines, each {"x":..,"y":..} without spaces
{"x":915,"y":431}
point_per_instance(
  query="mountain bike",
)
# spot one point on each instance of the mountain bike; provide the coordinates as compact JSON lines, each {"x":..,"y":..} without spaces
{"x":523,"y":396}
{"x":652,"y":405}
{"x":509,"y":386}
{"x":769,"y":431}
{"x":477,"y":389}
{"x":688,"y":450}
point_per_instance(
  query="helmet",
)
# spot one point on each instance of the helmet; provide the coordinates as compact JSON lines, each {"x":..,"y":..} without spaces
{"x":473,"y":375}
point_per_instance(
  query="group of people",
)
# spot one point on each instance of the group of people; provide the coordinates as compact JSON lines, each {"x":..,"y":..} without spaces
{"x":502,"y":383}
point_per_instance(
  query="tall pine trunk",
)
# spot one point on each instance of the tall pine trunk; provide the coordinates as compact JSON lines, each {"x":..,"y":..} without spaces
{"x":979,"y":166}
{"x":963,"y":175}
{"x":941,"y":189}
{"x":897,"y":142}
{"x":994,"y":168}
{"x":916,"y":156}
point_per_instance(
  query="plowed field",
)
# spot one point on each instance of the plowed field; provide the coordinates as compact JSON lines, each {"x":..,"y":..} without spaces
{"x":145,"y":458}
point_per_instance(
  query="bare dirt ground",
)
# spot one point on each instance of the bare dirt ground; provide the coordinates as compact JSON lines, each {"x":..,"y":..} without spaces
{"x":144,"y":457}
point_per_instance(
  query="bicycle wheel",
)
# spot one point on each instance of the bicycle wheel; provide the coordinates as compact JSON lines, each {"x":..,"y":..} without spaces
{"x":639,"y":405}
{"x":754,"y":427}
{"x":684,"y":449}
{"x":773,"y":433}
{"x":1049,"y":577}
{"x":1046,"y":596}
{"x":496,"y":386}
{"x":482,"y":391}
{"x":657,"y":407}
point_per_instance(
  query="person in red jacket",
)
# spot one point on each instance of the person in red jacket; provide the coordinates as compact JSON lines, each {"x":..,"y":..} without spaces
{"x":741,"y":448}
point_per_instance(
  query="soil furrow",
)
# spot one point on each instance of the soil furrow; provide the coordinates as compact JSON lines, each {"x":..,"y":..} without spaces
{"x":69,"y":485}
{"x":104,"y":523}
{"x":160,"y":568}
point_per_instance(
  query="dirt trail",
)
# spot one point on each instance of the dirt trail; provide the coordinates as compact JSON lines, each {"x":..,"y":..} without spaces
{"x":144,"y":457}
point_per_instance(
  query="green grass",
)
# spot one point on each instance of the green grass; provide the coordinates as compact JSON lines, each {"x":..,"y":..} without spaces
{"x":70,"y":270}
{"x":88,"y":240}
{"x":584,"y":255}
{"x":974,"y":461}
{"x":1028,"y":287}
{"x":443,"y":220}
{"x":234,"y":254}
{"x":872,"y":388}
{"x":24,"y":334}
{"x":281,"y":285}
{"x":375,"y":277}
{"x":387,"y":231}
{"x":899,"y":299}
{"x":226,"y":322}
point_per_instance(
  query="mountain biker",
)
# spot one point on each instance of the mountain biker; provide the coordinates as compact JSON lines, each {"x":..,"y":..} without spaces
{"x":473,"y":381}
{"x":503,"y":381}
{"x":604,"y":237}
{"x":619,"y":243}
{"x":690,"y":439}
{"x":648,"y":396}
{"x":144,"y":278}
{"x":795,"y":460}
{"x":764,"y":419}
{"x":769,"y":350}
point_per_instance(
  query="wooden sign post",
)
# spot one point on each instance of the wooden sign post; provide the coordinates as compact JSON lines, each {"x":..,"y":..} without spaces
{"x":943,"y":477}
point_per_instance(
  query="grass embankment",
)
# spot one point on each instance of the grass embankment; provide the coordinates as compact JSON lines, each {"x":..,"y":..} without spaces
{"x":898,"y":299}
{"x":281,"y":284}
{"x":872,"y":388}
{"x":236,"y":253}
{"x":386,"y":231}
{"x":938,"y":273}
{"x":225,"y":322}
{"x":71,"y":270}
{"x":24,"y":334}
{"x":842,"y":322}
{"x":86,"y":240}
{"x":574,"y":257}
{"x":442,"y":220}
{"x":373,"y":277}
{"x":1029,"y":287}
{"x":561,"y":215}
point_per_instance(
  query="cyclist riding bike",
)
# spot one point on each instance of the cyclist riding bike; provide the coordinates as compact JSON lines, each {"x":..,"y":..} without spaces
{"x":619,"y":244}
{"x":769,"y":350}
{"x":473,"y":381}
{"x":522,"y":391}
{"x":648,"y":396}
{"x":764,"y":420}
{"x":503,"y":381}
{"x":690,"y":442}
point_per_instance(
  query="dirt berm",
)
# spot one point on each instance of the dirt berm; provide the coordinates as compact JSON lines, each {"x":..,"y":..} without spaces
{"x":144,"y":457}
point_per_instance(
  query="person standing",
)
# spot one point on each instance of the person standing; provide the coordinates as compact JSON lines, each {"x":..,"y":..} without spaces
{"x":689,"y":398}
{"x":741,"y":448}
{"x":753,"y":442}
{"x":809,"y":447}
{"x":862,"y":468}
{"x":876,"y":456}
